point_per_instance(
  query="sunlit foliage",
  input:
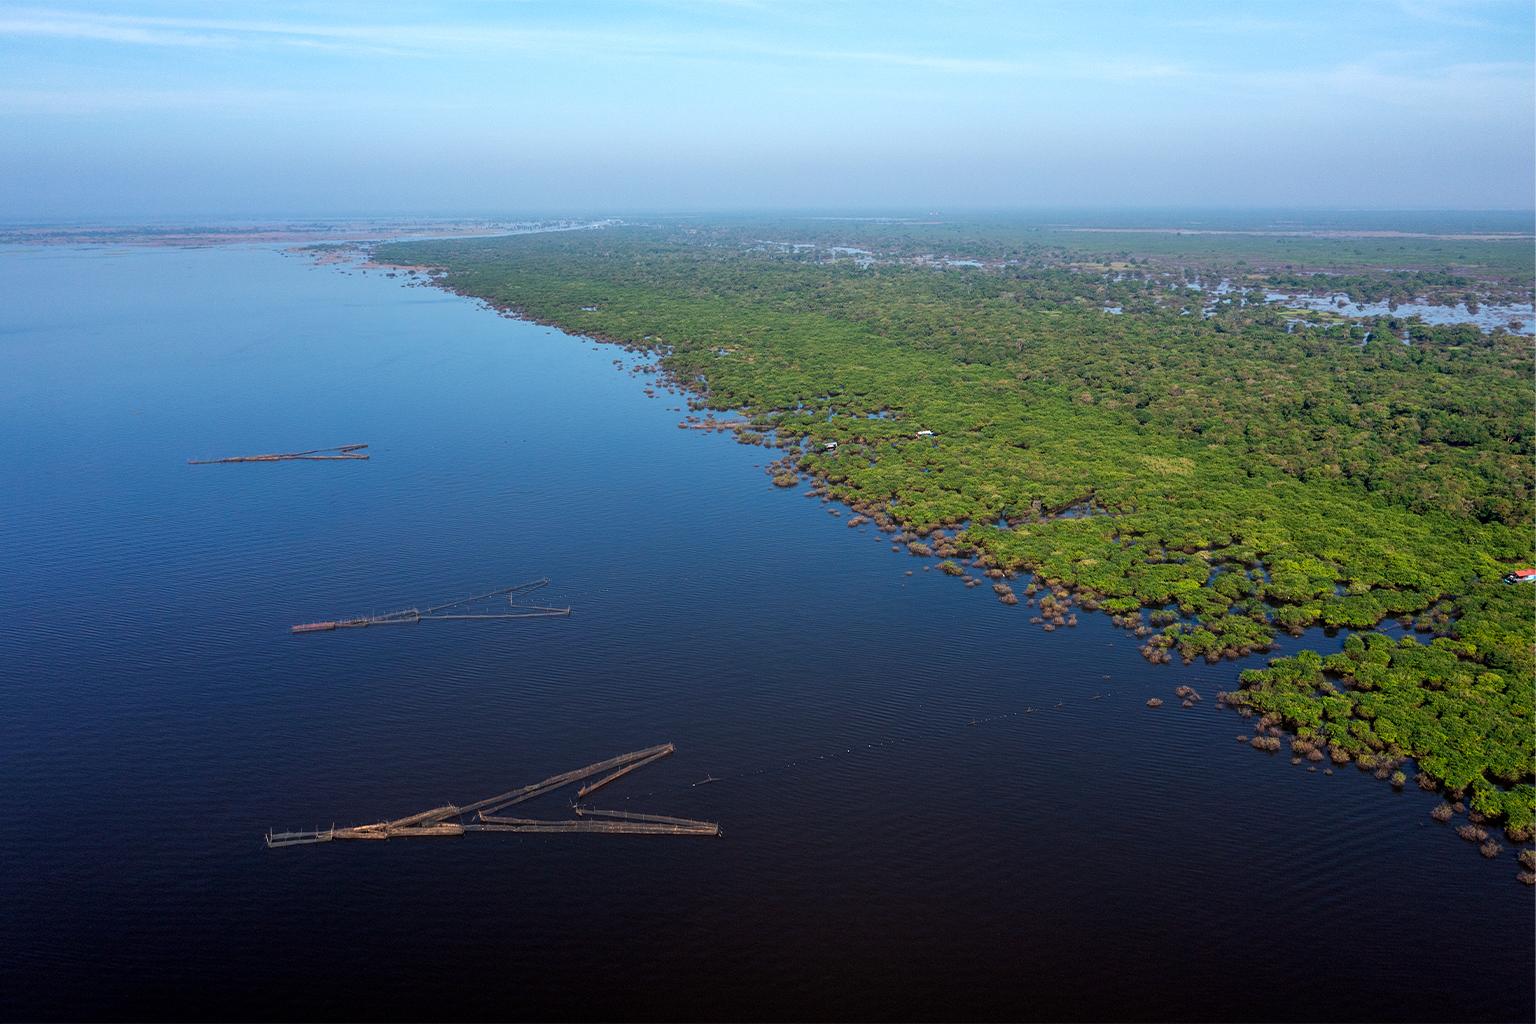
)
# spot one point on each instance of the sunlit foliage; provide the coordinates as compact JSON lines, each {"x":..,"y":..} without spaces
{"x":1255,"y":470}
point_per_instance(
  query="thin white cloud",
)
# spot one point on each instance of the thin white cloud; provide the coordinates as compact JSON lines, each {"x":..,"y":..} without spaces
{"x":372,"y":38}
{"x":427,"y":39}
{"x":112,"y":31}
{"x":1407,"y":80}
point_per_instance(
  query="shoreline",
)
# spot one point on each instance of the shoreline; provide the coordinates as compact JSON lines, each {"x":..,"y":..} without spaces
{"x":1061,"y":597}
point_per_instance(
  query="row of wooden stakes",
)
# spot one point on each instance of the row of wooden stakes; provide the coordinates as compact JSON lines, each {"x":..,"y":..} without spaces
{"x":439,"y":821}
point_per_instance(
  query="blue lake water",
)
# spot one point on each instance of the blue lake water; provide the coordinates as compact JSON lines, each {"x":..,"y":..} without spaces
{"x":903,"y":837}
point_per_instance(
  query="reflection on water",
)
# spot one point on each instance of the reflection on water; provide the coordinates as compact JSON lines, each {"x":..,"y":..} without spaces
{"x":929,"y":808}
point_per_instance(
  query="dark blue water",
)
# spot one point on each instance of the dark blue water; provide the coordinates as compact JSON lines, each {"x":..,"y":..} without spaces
{"x":902,"y":838}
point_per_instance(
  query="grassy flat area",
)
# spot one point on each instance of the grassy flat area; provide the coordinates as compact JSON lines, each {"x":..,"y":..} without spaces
{"x":1242,"y":474}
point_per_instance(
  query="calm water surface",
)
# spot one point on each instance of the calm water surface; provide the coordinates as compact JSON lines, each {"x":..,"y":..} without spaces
{"x":903,"y":838}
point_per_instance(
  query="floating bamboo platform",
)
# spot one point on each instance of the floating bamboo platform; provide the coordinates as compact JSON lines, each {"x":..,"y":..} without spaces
{"x":410,"y":616}
{"x":436,"y":821}
{"x":346,"y":451}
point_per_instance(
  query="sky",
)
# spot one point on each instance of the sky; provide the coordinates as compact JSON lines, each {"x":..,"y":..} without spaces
{"x":230,"y":110}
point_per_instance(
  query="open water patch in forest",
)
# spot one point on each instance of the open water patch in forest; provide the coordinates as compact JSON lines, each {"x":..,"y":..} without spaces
{"x":929,"y":808}
{"x":1517,"y":318}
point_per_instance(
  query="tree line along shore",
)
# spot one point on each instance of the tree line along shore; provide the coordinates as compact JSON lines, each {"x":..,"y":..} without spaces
{"x":1237,"y":465}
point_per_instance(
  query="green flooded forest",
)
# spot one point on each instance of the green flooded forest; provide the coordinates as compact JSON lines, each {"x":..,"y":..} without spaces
{"x":1142,"y":419}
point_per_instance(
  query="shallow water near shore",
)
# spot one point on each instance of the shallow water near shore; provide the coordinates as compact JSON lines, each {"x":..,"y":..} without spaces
{"x":930,"y":809}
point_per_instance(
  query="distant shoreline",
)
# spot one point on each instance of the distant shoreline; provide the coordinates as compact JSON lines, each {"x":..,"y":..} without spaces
{"x":189,"y":235}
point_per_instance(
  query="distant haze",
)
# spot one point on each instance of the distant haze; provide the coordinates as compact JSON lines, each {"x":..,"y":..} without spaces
{"x":159,"y":111}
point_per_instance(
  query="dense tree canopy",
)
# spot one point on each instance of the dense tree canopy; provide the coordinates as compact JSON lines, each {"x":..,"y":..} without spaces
{"x":1254,"y":466}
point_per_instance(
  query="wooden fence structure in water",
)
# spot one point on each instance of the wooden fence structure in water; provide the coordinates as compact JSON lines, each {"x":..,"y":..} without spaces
{"x":436,"y":821}
{"x":410,"y":616}
{"x":346,"y":451}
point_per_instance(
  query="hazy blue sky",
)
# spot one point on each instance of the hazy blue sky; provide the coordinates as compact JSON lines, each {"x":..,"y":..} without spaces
{"x":174,"y":110}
